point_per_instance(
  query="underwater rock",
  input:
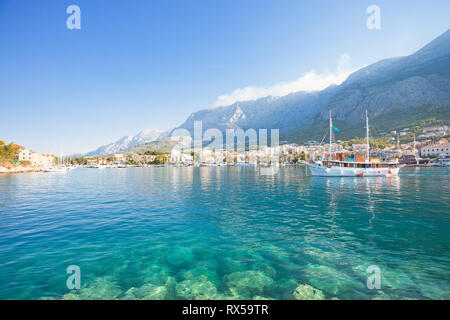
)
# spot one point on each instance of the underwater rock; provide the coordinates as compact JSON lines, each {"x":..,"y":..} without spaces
{"x":321,"y":255}
{"x":171,"y":286}
{"x":231,"y":265}
{"x":270,"y":271}
{"x":433,"y":291}
{"x":146,"y":292}
{"x":199,"y":288}
{"x":227,"y":297}
{"x":332,"y":280}
{"x":285,"y":287}
{"x":71,"y":296}
{"x":130,"y":294}
{"x":266,"y":269}
{"x":156,"y":274}
{"x":197,"y":272}
{"x":381,"y":295}
{"x":179,"y":257}
{"x":157,"y":293}
{"x":394,"y":279}
{"x":278,"y":256}
{"x":307,"y":292}
{"x":99,"y":289}
{"x":248,"y":283}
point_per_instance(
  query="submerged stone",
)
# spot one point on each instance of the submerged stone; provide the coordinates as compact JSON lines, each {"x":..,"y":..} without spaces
{"x":71,"y":296}
{"x":381,"y":295}
{"x":156,"y":274}
{"x":146,"y":292}
{"x":285,"y":287}
{"x":201,"y":271}
{"x":266,"y":268}
{"x":332,"y":280}
{"x":261,"y":298}
{"x":248,"y":283}
{"x":171,"y":286}
{"x":320,"y":255}
{"x":307,"y":292}
{"x":392,"y":279}
{"x":100,"y":289}
{"x":199,"y":288}
{"x":179,"y":257}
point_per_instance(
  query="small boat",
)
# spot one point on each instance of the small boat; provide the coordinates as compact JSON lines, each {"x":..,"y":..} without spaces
{"x":244,"y":164}
{"x":352,"y":167}
{"x":56,"y":169}
{"x":443,"y":160}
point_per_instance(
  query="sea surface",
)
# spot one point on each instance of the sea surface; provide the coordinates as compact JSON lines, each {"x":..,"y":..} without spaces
{"x":224,"y":233}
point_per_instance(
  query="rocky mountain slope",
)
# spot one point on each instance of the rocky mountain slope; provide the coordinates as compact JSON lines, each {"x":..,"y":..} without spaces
{"x":125,"y":142}
{"x":421,"y":79}
{"x":419,"y":82}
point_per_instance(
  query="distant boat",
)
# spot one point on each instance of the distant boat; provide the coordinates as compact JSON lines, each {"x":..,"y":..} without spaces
{"x":443,"y":160}
{"x":353,"y":167}
{"x":57,"y":169}
{"x":244,"y":164}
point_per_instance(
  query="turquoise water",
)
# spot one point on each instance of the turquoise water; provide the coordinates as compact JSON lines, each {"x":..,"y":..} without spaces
{"x":224,"y":233}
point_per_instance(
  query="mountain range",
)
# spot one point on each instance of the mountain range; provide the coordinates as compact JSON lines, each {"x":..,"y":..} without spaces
{"x":419,"y":82}
{"x":125,"y":142}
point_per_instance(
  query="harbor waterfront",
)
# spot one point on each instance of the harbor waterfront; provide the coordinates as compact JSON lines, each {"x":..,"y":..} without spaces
{"x":224,"y":233}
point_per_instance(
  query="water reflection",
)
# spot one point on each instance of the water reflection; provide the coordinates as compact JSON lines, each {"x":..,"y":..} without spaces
{"x":217,"y":229}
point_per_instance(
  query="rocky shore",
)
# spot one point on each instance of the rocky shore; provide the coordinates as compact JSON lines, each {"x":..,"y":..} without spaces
{"x":19,"y":169}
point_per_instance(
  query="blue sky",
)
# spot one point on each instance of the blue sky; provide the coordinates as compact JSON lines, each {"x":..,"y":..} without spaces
{"x":140,"y":64}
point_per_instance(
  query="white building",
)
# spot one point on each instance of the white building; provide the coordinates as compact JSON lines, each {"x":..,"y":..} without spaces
{"x":178,"y":157}
{"x":435,"y":150}
{"x":35,"y":159}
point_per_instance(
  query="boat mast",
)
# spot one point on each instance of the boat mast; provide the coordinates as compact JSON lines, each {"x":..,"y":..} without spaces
{"x":367,"y":138}
{"x":415,"y":149}
{"x":331,"y":134}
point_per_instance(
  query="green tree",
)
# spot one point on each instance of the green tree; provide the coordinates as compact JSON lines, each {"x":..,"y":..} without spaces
{"x":8,"y":152}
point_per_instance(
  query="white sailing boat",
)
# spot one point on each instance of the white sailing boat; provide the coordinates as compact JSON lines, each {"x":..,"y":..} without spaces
{"x":62,"y":167}
{"x":349,"y":167}
{"x":57,"y":169}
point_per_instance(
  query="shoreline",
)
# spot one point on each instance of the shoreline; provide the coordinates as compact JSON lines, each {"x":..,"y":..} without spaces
{"x":4,"y":170}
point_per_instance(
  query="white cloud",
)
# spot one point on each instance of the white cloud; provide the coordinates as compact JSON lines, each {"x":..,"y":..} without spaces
{"x":310,"y":81}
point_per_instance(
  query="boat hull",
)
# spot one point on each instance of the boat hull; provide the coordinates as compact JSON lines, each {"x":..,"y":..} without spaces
{"x":324,"y":171}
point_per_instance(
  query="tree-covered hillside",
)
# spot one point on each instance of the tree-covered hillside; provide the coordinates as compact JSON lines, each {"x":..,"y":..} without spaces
{"x":416,"y":119}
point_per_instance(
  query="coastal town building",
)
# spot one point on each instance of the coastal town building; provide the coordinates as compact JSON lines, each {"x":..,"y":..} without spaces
{"x":35,"y":158}
{"x":410,"y":152}
{"x":178,"y":157}
{"x":435,"y":150}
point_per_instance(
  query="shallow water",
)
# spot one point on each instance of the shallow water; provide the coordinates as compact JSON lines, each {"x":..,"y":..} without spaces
{"x":224,"y":233}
